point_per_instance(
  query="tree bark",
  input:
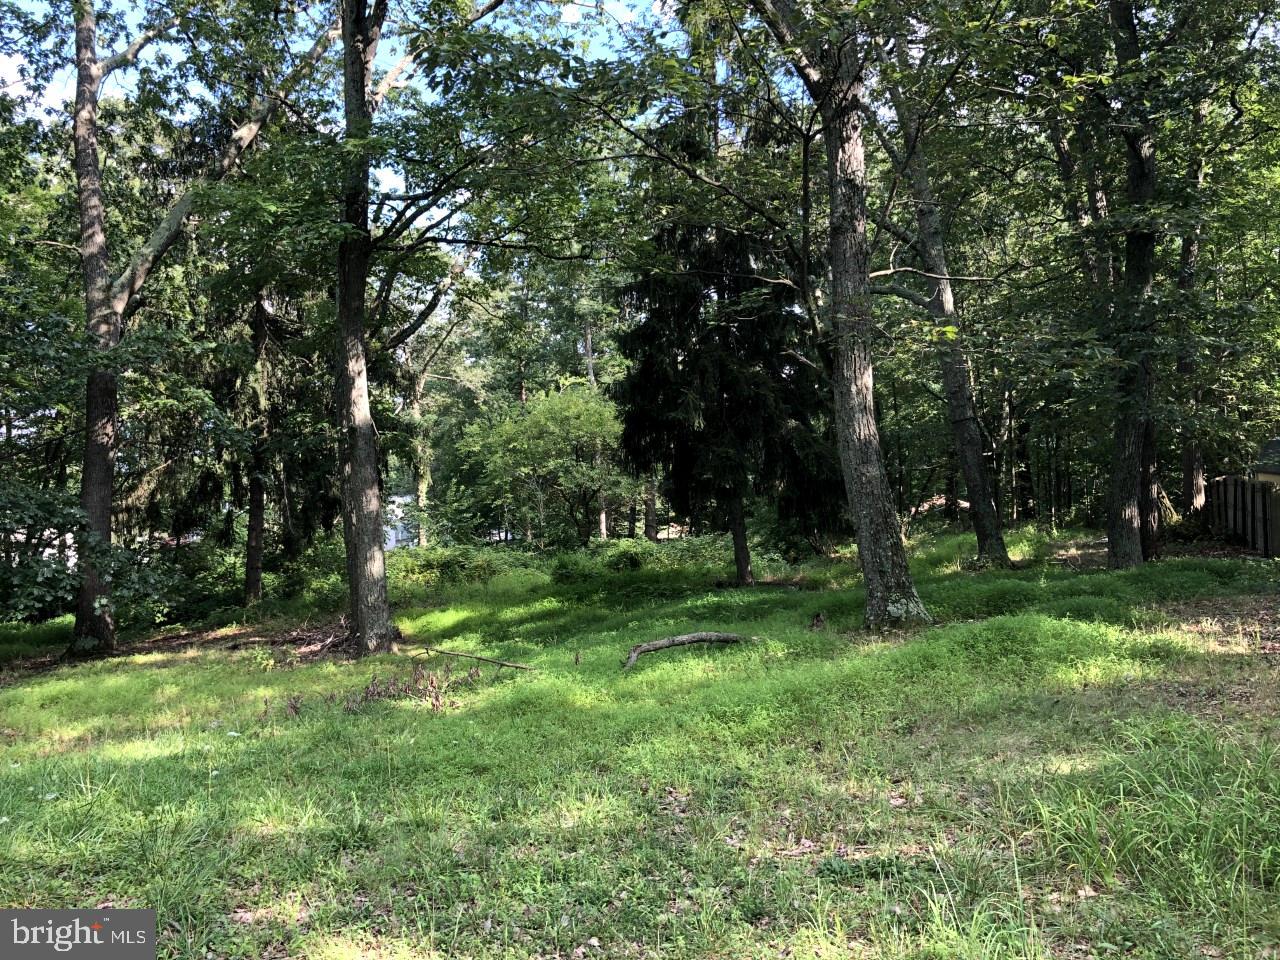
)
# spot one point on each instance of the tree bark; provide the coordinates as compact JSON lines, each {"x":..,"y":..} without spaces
{"x":423,"y":477}
{"x":1193,"y":484}
{"x":590,"y":353}
{"x":741,"y":549}
{"x":957,"y":371}
{"x":1134,"y":436}
{"x":891,"y":592}
{"x":951,"y":497}
{"x":421,"y":453}
{"x":832,"y":71}
{"x":651,"y":510}
{"x":106,"y":301}
{"x":94,"y":633}
{"x":370,"y":613}
{"x":1149,"y":493}
{"x":254,"y":541}
{"x":256,"y":532}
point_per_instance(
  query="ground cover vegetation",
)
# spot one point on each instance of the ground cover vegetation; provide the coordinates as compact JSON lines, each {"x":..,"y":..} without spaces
{"x":1074,"y":762}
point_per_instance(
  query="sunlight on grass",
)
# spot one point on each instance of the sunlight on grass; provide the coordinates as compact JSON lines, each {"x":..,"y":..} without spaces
{"x":944,"y":794}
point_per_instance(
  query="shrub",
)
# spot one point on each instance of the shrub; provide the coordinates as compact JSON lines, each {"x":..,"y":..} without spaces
{"x":574,"y":567}
{"x":428,"y":566}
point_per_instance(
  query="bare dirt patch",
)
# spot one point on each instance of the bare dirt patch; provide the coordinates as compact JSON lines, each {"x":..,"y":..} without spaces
{"x":1081,"y":554}
{"x":1239,"y":679}
{"x":1091,"y":554}
{"x":299,"y":644}
{"x":1241,"y":624}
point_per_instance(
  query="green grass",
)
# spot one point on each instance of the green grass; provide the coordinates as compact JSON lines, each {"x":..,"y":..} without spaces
{"x":22,"y":640}
{"x":1051,"y":771}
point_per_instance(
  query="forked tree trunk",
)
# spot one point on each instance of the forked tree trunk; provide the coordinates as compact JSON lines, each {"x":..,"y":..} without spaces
{"x":94,"y":632}
{"x":366,"y":567}
{"x":891,"y":592}
{"x":107,"y":300}
{"x":741,"y":550}
{"x":957,"y":372}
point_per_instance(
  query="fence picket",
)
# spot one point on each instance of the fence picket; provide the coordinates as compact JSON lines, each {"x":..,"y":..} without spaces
{"x":1247,"y":511}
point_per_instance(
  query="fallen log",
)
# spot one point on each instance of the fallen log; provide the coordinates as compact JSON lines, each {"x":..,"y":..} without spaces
{"x":683,"y":640}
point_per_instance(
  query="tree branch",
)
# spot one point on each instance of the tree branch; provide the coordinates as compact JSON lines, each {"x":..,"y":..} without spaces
{"x":456,"y":269}
{"x":905,"y":293}
{"x":779,"y":17}
{"x":167,"y":231}
{"x":925,"y":273}
{"x":680,"y":641}
{"x":129,"y":54}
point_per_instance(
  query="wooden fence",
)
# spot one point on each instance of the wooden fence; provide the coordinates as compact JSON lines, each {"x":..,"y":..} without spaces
{"x":1247,"y":511}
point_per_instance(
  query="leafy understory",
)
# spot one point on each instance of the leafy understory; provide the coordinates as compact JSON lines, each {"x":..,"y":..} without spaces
{"x":1064,"y":767}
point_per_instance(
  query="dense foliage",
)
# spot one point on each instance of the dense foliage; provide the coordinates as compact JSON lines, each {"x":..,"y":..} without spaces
{"x":536,"y":278}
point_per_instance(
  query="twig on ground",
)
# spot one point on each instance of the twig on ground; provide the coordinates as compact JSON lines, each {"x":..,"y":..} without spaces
{"x":680,"y":641}
{"x":471,"y":656}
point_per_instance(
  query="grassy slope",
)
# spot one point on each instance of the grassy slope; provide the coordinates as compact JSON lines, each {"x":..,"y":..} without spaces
{"x":1052,"y":773}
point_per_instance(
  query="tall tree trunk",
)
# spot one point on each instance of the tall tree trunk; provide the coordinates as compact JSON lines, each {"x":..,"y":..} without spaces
{"x":254,"y":541}
{"x":256,"y":533}
{"x":951,"y":497}
{"x":651,"y":510}
{"x":370,"y":613}
{"x":421,"y":454}
{"x":1132,"y":329}
{"x":423,"y":477}
{"x":1193,"y":484}
{"x":957,"y":371}
{"x":1149,"y":493}
{"x":741,"y":550}
{"x":891,"y":592}
{"x":94,"y":632}
{"x":1125,"y":499}
{"x":833,"y":75}
{"x":106,"y":301}
{"x":590,"y":353}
